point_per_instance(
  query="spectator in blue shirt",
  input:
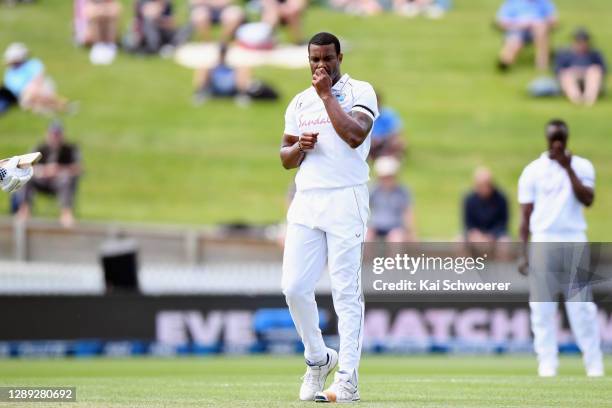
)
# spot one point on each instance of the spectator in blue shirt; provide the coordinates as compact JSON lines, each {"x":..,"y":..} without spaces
{"x":25,"y":78}
{"x":485,"y":211}
{"x":525,"y":22}
{"x":581,"y":70}
{"x":222,"y":81}
{"x":386,"y":138}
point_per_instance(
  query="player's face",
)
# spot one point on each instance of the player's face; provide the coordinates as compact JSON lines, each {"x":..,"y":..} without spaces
{"x":324,"y":56}
{"x":557,"y":138}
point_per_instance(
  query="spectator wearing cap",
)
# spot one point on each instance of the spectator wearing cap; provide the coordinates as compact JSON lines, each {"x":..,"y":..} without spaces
{"x":525,"y":22}
{"x":581,"y":70}
{"x":25,"y":78}
{"x":387,"y":133}
{"x":392,"y":216}
{"x":56,"y":174}
{"x":485,"y":211}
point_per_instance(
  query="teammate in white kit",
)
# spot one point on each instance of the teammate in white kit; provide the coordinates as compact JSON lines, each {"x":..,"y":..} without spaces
{"x":326,"y":135}
{"x":552,"y":191}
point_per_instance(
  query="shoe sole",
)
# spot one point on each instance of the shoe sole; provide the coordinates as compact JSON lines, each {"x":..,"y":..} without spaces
{"x":324,"y":399}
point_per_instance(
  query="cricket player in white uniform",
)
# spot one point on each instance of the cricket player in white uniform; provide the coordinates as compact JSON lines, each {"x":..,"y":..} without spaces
{"x":326,"y":136}
{"x":552,"y":191}
{"x":12,"y":178}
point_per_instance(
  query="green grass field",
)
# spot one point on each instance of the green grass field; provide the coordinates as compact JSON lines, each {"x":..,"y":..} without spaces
{"x":151,"y":156}
{"x":274,"y":382}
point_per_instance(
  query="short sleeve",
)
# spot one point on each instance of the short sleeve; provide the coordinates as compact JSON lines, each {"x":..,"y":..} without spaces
{"x":36,"y":67}
{"x":366,"y":102}
{"x":291,"y":124}
{"x":586,"y":174}
{"x":549,"y":9}
{"x":75,"y":154}
{"x":504,"y":12}
{"x":563,"y":60}
{"x":599,"y":59}
{"x":526,"y":187}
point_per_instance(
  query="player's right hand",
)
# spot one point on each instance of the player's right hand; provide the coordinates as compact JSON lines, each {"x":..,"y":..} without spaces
{"x":14,"y":178}
{"x":308,"y":140}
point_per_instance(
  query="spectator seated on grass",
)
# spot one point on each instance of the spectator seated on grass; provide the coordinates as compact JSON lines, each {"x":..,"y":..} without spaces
{"x":430,"y":8}
{"x":386,"y":137}
{"x":358,"y":7}
{"x":485,"y":213}
{"x":392,"y":216}
{"x":525,"y":22}
{"x":285,"y":12}
{"x":7,"y":99}
{"x":581,"y":70}
{"x":223,"y":81}
{"x":205,"y":13}
{"x":153,"y":30}
{"x":26,"y":80}
{"x":56,"y":174}
{"x":95,"y":26}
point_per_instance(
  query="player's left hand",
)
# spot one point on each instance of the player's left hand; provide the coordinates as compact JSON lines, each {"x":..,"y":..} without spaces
{"x":322,"y":83}
{"x":14,"y":177}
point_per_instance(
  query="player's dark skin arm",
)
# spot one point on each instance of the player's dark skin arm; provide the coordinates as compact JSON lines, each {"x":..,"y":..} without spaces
{"x":352,"y":127}
{"x":526,"y":211}
{"x":290,"y":154}
{"x":584,"y":194}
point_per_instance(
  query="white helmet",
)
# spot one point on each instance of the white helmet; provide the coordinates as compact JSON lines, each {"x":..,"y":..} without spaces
{"x":16,"y":52}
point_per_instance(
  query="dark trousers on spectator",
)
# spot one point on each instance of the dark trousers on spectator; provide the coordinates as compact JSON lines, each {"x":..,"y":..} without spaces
{"x":63,"y":187}
{"x":154,"y":36}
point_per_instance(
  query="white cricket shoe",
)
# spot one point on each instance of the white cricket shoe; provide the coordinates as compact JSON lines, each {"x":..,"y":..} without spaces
{"x":545,"y":370}
{"x":595,"y":370}
{"x":341,"y":391}
{"x":314,"y":379}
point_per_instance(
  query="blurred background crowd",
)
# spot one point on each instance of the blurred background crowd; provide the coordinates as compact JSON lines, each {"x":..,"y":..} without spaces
{"x":225,"y":41}
{"x":160,"y":124}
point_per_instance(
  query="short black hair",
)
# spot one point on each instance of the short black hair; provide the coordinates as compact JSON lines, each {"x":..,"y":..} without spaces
{"x":560,"y":125}
{"x":324,"y":38}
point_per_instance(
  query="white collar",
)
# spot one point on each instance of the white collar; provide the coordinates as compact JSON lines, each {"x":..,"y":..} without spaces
{"x":341,"y":82}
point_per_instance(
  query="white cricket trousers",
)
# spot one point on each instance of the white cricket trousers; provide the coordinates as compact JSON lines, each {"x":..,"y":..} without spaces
{"x":557,"y":268}
{"x":327,"y":226}
{"x":582,"y":317}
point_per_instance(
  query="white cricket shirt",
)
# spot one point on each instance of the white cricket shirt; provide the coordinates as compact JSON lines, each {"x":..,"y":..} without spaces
{"x":557,"y":213}
{"x":332,"y":163}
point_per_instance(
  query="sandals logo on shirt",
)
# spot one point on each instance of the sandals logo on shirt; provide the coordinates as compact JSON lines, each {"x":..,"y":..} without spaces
{"x":305,"y":121}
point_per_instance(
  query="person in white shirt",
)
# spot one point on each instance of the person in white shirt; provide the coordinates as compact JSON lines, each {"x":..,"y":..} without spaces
{"x":327,"y":129}
{"x":552,"y":192}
